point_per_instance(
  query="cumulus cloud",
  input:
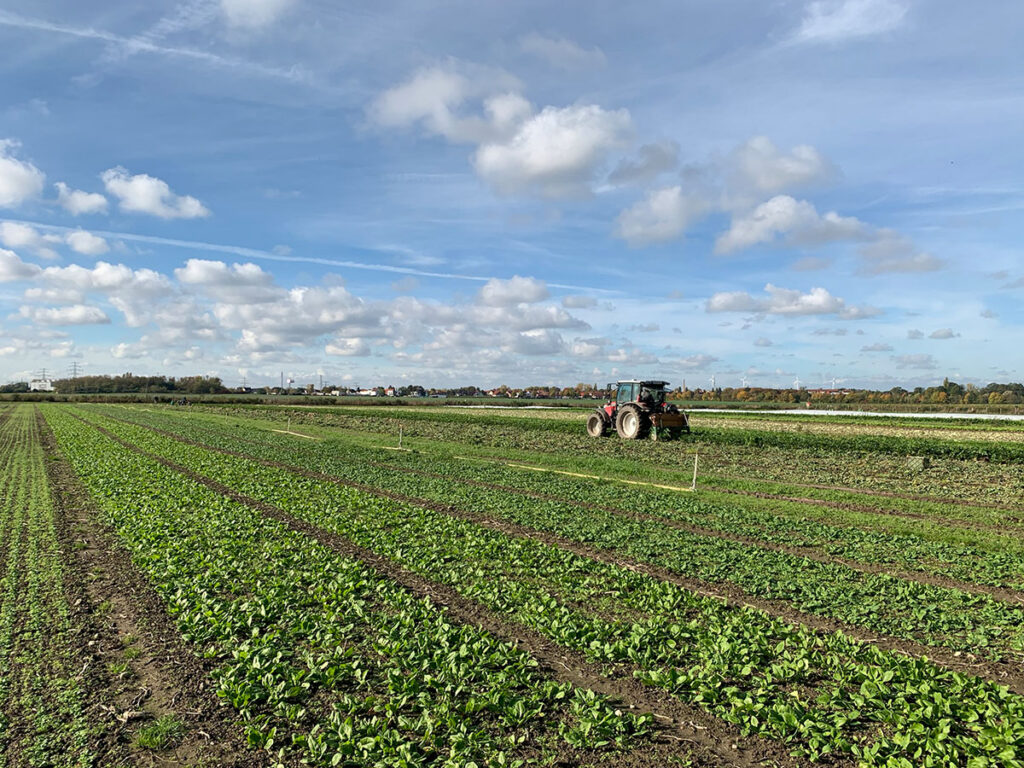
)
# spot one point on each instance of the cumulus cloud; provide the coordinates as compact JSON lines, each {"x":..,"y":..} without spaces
{"x":77,"y":202}
{"x":920,"y":362}
{"x":835,"y":21}
{"x":649,"y":162}
{"x":12,"y":268}
{"x":561,"y":53}
{"x":759,"y":167}
{"x":19,"y":179}
{"x":86,"y":243}
{"x":515,"y":290}
{"x":433,"y":98}
{"x":76,"y":314}
{"x":24,"y":237}
{"x":142,"y":193}
{"x":797,"y":220}
{"x":877,"y":347}
{"x":661,"y":216}
{"x":829,"y":332}
{"x":695,"y":362}
{"x":913,"y":333}
{"x":784,"y":301}
{"x":943,"y":333}
{"x":989,"y":314}
{"x":348,"y":348}
{"x":253,"y":14}
{"x":763,"y":342}
{"x":890,"y":252}
{"x":554,"y":153}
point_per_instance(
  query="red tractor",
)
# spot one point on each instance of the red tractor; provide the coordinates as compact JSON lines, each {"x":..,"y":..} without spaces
{"x":638,"y":410}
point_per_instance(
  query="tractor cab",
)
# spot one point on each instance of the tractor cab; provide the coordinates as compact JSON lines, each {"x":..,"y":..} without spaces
{"x":638,"y":409}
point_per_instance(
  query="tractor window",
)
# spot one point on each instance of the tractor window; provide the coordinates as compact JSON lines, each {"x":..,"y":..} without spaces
{"x":653,"y":396}
{"x":625,"y":393}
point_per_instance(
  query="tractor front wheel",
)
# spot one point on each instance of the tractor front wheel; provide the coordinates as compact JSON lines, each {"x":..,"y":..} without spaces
{"x":632,"y":423}
{"x":597,"y":426}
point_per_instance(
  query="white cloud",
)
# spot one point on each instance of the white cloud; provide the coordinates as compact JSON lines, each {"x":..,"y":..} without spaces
{"x":76,"y":314}
{"x":86,"y":243}
{"x":759,"y":167}
{"x":12,"y":268}
{"x":22,"y":236}
{"x":142,"y":193}
{"x":943,"y":333}
{"x":798,"y":220}
{"x":19,"y":179}
{"x":515,"y":290}
{"x":555,"y":153}
{"x":650,"y":161}
{"x":834,"y":21}
{"x":913,"y":333}
{"x":663,"y":215}
{"x":784,"y":301}
{"x":253,"y":14}
{"x":433,"y":97}
{"x":348,"y":348}
{"x":763,"y":342}
{"x":876,"y":347}
{"x":562,"y":53}
{"x":77,"y":202}
{"x":889,"y":252}
{"x":695,"y":362}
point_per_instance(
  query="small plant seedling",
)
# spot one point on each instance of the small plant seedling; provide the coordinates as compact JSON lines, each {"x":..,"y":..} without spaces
{"x":163,"y":733}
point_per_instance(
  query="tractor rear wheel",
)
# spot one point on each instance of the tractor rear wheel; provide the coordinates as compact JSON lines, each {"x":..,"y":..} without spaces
{"x":597,"y":425}
{"x":632,"y":423}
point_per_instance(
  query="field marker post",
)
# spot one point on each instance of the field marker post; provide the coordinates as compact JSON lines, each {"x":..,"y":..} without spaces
{"x":693,"y":487}
{"x":399,"y":436}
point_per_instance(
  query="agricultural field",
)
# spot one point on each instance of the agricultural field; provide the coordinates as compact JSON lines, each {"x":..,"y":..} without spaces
{"x":347,"y":586}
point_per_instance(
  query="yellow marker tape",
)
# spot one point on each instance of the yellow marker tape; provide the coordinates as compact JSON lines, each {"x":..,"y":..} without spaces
{"x":297,"y":434}
{"x":577,"y":474}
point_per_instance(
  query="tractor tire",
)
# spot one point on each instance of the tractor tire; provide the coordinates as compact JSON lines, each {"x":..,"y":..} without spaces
{"x":597,"y":425}
{"x":632,"y":423}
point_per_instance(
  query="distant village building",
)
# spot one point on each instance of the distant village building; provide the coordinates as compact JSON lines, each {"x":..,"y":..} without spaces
{"x":40,"y":385}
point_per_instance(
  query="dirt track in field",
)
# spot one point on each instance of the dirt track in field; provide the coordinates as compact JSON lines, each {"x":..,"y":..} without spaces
{"x":713,"y":742}
{"x":1006,"y":673}
{"x":165,"y":677}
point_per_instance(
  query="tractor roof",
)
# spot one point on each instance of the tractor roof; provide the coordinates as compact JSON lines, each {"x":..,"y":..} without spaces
{"x":645,"y":382}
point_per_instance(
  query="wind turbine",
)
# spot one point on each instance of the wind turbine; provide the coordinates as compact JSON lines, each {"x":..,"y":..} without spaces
{"x":796,"y":383}
{"x":743,"y":381}
{"x":712,"y":381}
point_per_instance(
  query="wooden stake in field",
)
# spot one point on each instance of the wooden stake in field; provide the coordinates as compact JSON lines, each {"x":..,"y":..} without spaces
{"x":694,"y":486}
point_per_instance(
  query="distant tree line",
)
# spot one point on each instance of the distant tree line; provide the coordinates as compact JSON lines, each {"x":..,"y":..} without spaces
{"x":129,"y":383}
{"x":948,"y":393}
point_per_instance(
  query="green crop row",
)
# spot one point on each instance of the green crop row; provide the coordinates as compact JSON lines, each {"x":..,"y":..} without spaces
{"x":325,"y":660}
{"x":904,"y":609}
{"x":43,"y":700}
{"x":819,"y":693}
{"x":511,"y":431}
{"x":969,"y":555}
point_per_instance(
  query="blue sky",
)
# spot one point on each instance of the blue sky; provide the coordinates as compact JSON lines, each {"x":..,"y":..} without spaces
{"x":483,"y":192}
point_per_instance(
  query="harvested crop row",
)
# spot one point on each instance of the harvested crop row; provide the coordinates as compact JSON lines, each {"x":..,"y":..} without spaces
{"x":818,"y":692}
{"x":917,"y":612}
{"x":322,"y":658}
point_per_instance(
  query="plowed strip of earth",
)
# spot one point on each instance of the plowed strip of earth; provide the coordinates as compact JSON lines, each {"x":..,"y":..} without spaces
{"x":1002,"y":672}
{"x":714,"y":742}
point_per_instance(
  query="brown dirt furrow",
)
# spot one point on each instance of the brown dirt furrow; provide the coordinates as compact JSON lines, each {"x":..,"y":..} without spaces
{"x":121,"y":609}
{"x":1005,"y":673}
{"x":713,"y":741}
